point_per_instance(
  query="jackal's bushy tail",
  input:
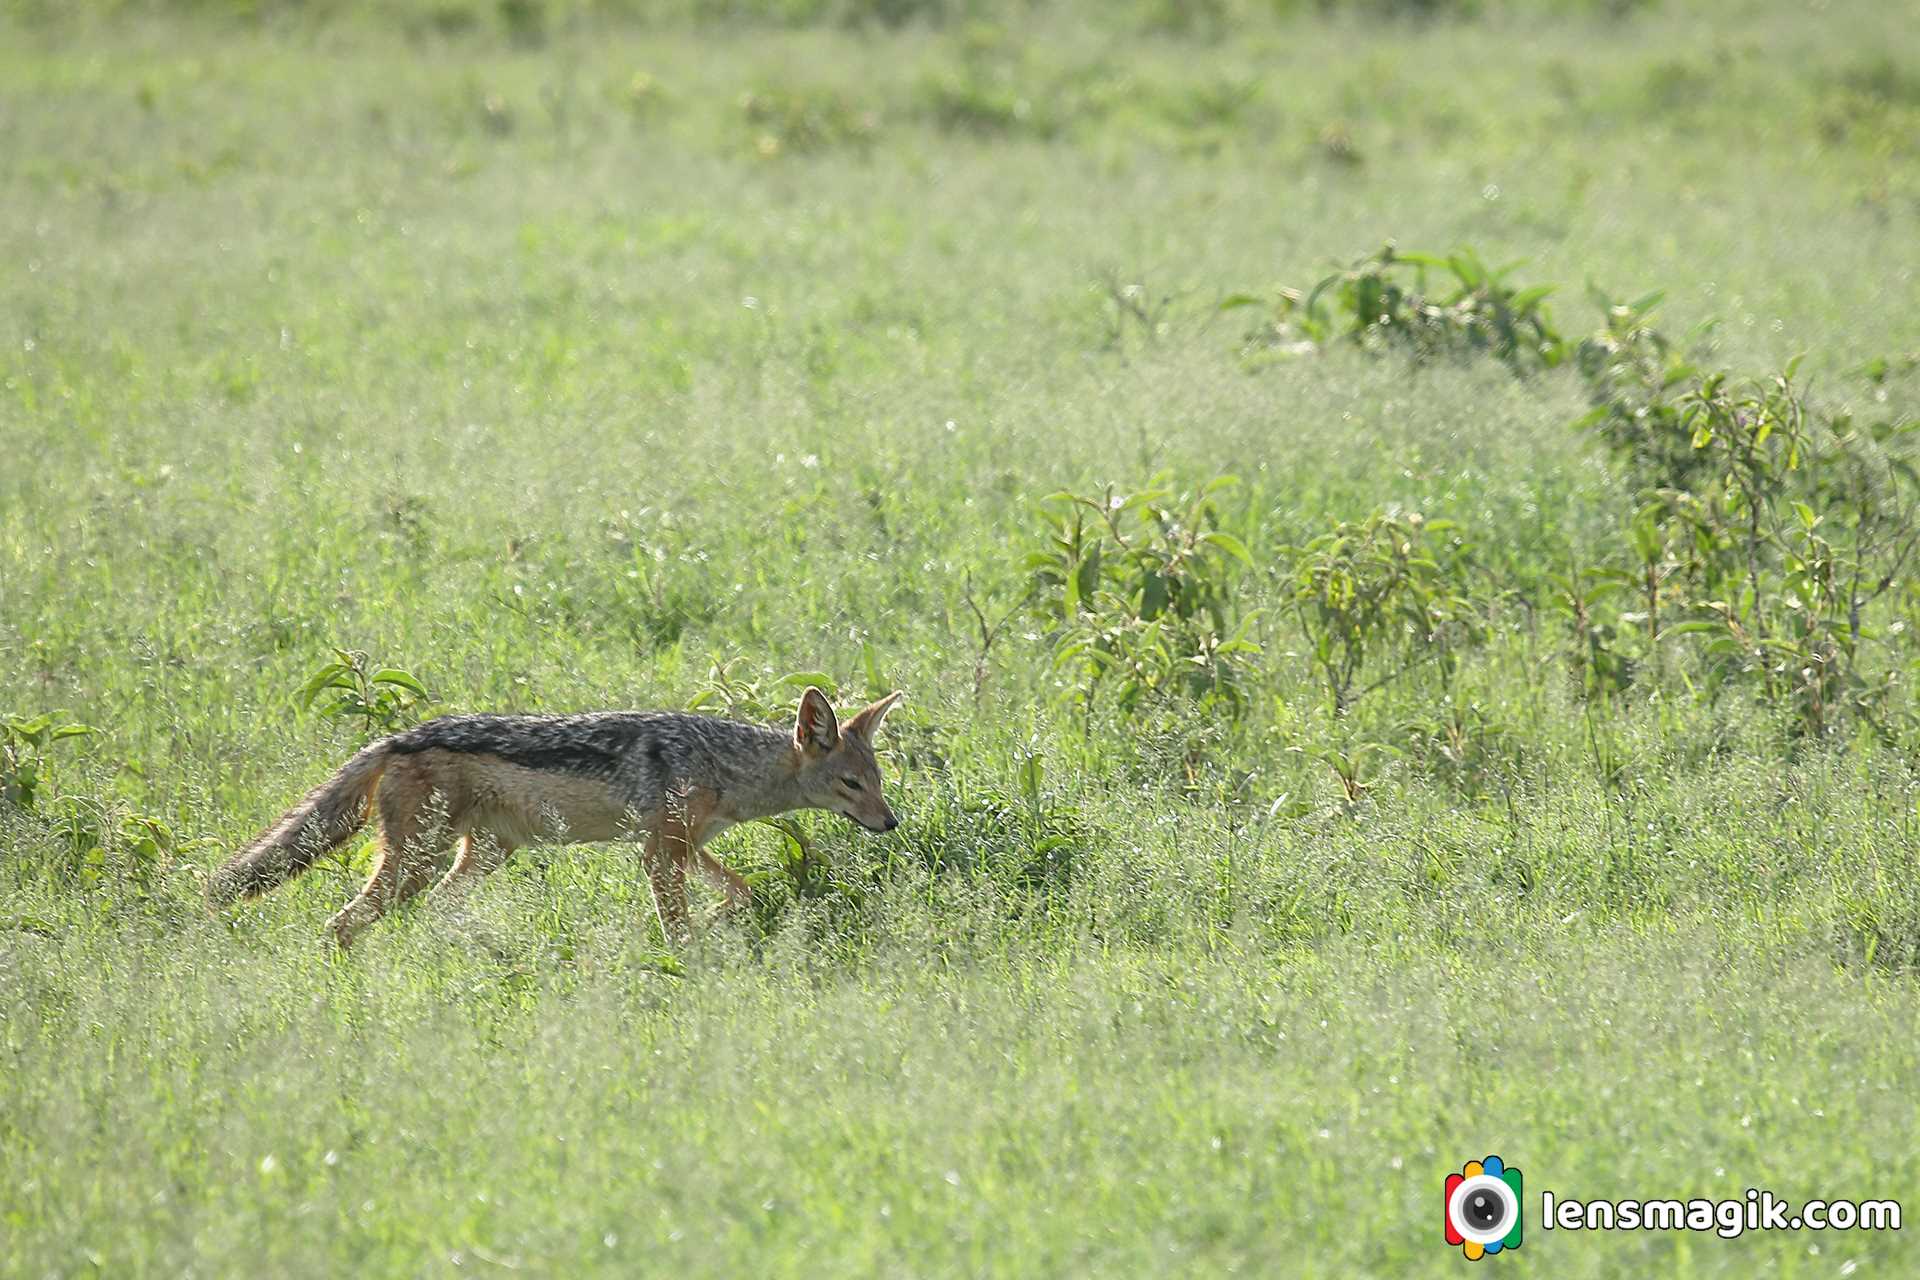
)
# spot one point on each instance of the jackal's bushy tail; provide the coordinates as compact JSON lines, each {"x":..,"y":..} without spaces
{"x":329,"y":814}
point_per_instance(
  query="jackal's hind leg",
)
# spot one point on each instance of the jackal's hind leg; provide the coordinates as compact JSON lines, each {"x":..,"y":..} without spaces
{"x":420,"y":873}
{"x":481,"y":853}
{"x":381,"y":891}
{"x":414,"y":830}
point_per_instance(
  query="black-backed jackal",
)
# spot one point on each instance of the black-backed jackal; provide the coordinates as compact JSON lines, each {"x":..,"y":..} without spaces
{"x":487,"y":784}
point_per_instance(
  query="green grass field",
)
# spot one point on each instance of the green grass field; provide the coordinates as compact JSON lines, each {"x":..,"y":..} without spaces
{"x":577,"y":356}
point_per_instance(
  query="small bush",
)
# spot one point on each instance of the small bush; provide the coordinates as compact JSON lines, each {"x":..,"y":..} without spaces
{"x":1138,"y":591}
{"x":384,"y":699}
{"x":1374,"y":599}
{"x":803,"y":121}
{"x":1426,"y":305}
{"x":25,"y":742}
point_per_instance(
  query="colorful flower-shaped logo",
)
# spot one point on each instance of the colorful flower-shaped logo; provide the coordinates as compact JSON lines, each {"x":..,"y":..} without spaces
{"x":1483,"y":1207}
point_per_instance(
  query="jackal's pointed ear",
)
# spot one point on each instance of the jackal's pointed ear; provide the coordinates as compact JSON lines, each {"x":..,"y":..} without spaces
{"x":868,"y":722}
{"x":816,"y":728}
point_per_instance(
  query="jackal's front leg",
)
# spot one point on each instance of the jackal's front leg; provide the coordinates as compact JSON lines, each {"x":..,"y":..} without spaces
{"x":724,"y":878}
{"x":663,"y":854}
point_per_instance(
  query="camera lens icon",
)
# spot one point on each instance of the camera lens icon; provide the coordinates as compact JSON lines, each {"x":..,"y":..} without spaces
{"x":1483,"y":1208}
{"x":1483,"y":1212}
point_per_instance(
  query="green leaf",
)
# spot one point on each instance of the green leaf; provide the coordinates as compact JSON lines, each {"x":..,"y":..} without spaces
{"x":331,"y":676}
{"x":1229,"y":544}
{"x":1154,"y":596}
{"x":1032,"y":773}
{"x":1471,"y":272}
{"x":395,"y":676}
{"x":1142,"y":498}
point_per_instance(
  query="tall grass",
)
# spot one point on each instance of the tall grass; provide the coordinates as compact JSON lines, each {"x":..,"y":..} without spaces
{"x":610,"y":362}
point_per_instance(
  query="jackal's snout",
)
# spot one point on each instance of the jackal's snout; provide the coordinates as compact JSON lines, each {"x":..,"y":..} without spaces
{"x":879,"y":823}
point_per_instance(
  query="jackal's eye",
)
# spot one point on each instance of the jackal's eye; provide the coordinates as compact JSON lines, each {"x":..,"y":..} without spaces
{"x":851,"y":784}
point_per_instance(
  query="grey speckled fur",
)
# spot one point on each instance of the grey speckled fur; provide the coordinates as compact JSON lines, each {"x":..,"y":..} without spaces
{"x":645,"y":755}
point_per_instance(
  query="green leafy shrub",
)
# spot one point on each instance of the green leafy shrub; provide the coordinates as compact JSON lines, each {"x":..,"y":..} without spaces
{"x":1772,"y":538}
{"x":1138,"y":591}
{"x":1765,"y":531}
{"x":99,"y":842}
{"x":91,"y":840}
{"x":1459,"y":741}
{"x":1631,"y":372}
{"x":1356,"y":767}
{"x":1426,"y":305}
{"x":1752,"y":439}
{"x":1599,"y":667}
{"x":384,"y":699}
{"x":1016,"y":831}
{"x":24,"y":744}
{"x":1372,"y":595}
{"x":806,"y":120}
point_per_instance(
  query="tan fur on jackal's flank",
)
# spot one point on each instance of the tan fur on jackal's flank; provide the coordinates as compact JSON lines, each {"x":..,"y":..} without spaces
{"x":491,"y":783}
{"x":515,"y":804}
